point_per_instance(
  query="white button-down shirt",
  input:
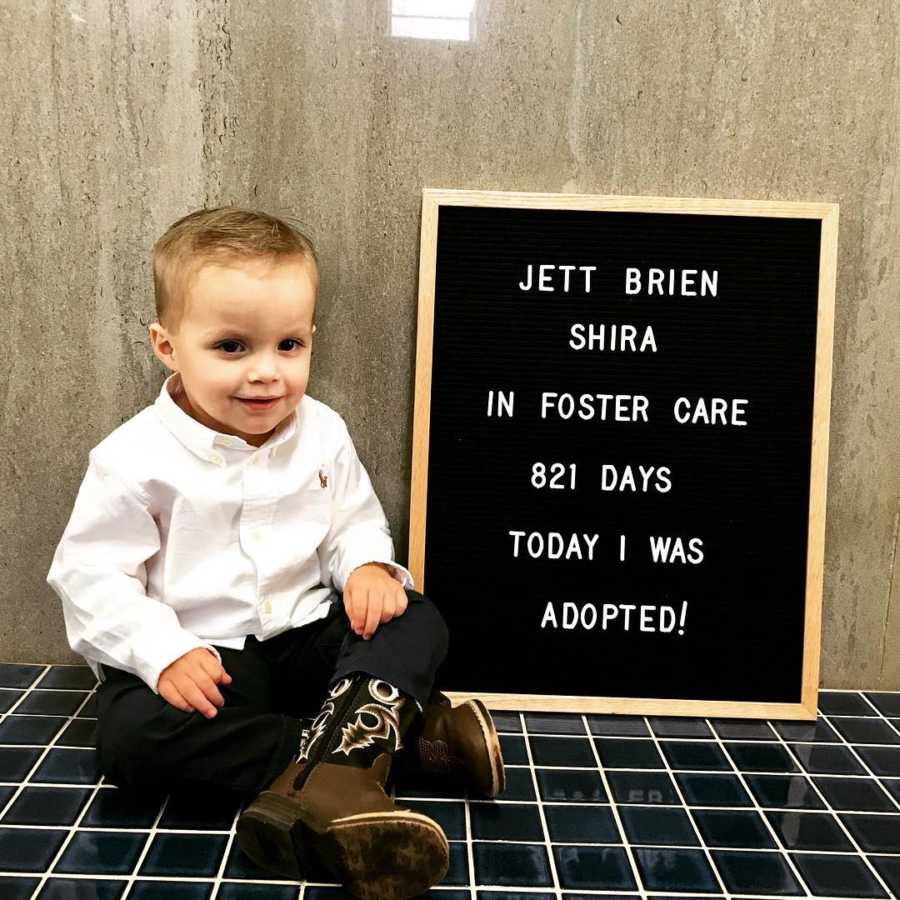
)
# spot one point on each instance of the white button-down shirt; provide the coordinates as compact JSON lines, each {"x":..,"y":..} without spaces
{"x":182,"y":537}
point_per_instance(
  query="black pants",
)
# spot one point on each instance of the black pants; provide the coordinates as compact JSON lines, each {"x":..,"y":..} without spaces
{"x":145,"y":743}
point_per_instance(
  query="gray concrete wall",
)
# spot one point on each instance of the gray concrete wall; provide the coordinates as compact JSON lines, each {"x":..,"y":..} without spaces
{"x":122,"y":116}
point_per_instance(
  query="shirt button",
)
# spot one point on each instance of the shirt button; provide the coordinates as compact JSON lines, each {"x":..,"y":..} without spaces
{"x":266,"y":604}
{"x":257,"y":535}
{"x":217,"y":458}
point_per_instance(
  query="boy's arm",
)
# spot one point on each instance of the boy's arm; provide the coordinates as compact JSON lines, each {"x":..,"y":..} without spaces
{"x":359,"y":530}
{"x":99,"y":573}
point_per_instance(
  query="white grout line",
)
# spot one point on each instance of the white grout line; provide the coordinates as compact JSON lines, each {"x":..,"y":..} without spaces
{"x":614,"y":809}
{"x":40,"y":759}
{"x":551,"y":861}
{"x":674,"y":780}
{"x":466,"y":800}
{"x":95,"y":789}
{"x":828,"y":806}
{"x":888,"y":721}
{"x":72,"y":829}
{"x":878,"y":778}
{"x":219,"y":877}
{"x":740,"y":775}
{"x":220,"y":874}
{"x":143,"y":854}
{"x":470,"y":849}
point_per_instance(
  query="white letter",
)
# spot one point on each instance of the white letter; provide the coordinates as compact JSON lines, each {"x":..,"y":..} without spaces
{"x":549,"y":616}
{"x":640,"y":407}
{"x":663,"y":480}
{"x":505,"y":403}
{"x":606,"y":485}
{"x":544,"y":277}
{"x":586,"y":407}
{"x":659,"y":548}
{"x":687,"y":280}
{"x":573,"y":547}
{"x":577,"y":332}
{"x":526,"y":287}
{"x":587,"y":276}
{"x":632,"y":281}
{"x":712,"y":283}
{"x":544,"y":404}
{"x":554,"y":540}
{"x":666,"y":619}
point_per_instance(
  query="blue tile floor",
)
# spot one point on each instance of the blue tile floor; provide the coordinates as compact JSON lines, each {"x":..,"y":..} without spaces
{"x":595,"y":806}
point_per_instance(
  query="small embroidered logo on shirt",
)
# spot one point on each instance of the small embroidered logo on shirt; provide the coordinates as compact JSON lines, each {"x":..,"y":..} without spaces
{"x":323,"y":478}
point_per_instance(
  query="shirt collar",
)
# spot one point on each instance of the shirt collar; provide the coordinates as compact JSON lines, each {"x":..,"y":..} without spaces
{"x":200,"y":439}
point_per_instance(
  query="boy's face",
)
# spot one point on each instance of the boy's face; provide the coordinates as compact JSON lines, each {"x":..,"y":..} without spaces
{"x":246,"y":332}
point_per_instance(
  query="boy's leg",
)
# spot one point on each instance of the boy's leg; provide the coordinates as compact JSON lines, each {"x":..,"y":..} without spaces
{"x":405,"y":652}
{"x":459,"y":743}
{"x":330,"y":801}
{"x":145,"y":743}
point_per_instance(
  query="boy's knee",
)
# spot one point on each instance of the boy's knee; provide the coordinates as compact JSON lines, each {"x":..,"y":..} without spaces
{"x":128,"y":757}
{"x":429,"y":614}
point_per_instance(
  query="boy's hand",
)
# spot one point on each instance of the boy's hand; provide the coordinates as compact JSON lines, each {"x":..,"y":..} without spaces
{"x":371,"y":597}
{"x":190,"y":682}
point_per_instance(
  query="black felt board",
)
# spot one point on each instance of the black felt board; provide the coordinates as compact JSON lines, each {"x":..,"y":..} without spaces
{"x":742,"y":490}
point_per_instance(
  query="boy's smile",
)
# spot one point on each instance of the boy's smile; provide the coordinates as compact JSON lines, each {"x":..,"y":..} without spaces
{"x":244,"y":346}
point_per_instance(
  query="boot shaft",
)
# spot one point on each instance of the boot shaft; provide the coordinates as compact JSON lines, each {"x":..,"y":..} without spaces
{"x":361,"y":719}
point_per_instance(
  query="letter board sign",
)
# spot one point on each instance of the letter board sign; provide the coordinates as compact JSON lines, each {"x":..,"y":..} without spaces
{"x":620,"y":449}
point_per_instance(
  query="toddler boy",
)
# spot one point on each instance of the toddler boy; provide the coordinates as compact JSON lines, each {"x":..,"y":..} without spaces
{"x":227,"y":567}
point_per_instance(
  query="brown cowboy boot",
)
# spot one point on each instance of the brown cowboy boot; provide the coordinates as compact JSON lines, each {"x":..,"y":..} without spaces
{"x":330,"y":803}
{"x":458,"y":743}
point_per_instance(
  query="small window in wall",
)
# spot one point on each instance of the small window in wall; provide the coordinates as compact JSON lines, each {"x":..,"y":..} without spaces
{"x":443,"y":20}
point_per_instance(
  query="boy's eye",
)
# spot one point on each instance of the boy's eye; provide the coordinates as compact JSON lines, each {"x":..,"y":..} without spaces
{"x":229,"y":346}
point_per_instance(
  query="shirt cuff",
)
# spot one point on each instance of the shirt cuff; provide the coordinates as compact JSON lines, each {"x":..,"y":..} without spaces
{"x":402,"y":574}
{"x":155,"y":655}
{"x":398,"y":572}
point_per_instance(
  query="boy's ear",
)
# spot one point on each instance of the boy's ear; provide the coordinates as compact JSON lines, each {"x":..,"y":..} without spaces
{"x":162,"y":346}
{"x":314,"y":329}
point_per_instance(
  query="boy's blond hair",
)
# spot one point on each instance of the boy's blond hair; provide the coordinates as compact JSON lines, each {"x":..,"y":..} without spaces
{"x":224,"y":235}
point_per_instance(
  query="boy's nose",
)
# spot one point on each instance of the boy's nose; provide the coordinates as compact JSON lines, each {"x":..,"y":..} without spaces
{"x":263,"y":372}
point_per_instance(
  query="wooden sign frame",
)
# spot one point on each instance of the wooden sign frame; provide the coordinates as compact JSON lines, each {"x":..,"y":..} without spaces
{"x":827,"y":213}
